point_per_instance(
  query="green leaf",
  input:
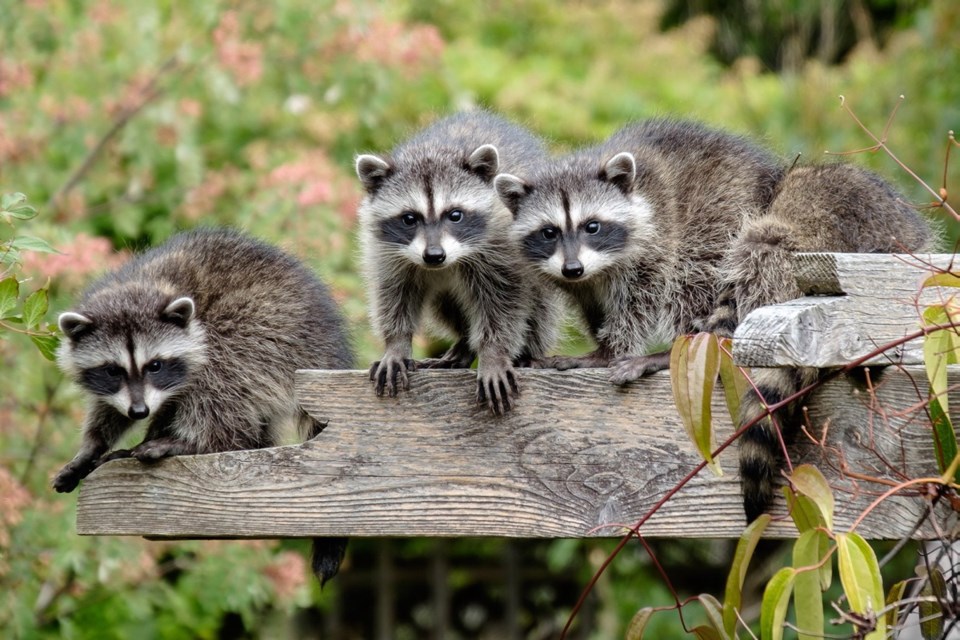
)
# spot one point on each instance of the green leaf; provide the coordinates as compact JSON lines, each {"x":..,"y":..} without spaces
{"x":638,"y":624}
{"x":773,"y":608}
{"x":944,"y":436}
{"x":931,"y":612}
{"x":47,"y":344}
{"x":714,"y":611}
{"x":733,"y":593}
{"x":860,"y":577}
{"x":9,"y":293}
{"x":8,"y":255}
{"x":807,"y":599}
{"x":10,"y":200}
{"x":808,"y":480}
{"x":29,"y":243}
{"x":34,"y":308}
{"x":895,"y":595}
{"x":704,"y":632}
{"x":806,"y":516}
{"x":694,"y":366}
{"x":733,"y":380}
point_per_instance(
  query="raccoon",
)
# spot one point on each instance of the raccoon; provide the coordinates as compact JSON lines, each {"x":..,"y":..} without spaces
{"x":199,"y":339}
{"x":435,"y":241}
{"x":670,"y":227}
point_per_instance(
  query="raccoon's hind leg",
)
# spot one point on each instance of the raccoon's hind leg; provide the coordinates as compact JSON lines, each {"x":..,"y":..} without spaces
{"x":458,"y":356}
{"x":104,"y":426}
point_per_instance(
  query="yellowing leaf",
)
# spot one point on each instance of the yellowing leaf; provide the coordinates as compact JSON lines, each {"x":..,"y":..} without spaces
{"x":931,"y":611}
{"x":942,"y":280}
{"x":704,"y":632}
{"x":714,"y":611}
{"x":807,"y":600}
{"x":638,"y":623}
{"x":773,"y":608}
{"x":734,"y":381}
{"x":808,"y":480}
{"x":733,"y":592}
{"x":860,"y":577}
{"x":694,"y":366}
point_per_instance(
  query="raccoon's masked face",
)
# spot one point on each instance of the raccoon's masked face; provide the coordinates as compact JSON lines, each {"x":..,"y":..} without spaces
{"x":431,"y":214}
{"x":134,"y":365}
{"x":574,"y":227}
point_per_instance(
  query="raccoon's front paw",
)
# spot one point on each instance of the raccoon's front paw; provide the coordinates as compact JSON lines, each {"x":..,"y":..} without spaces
{"x":629,"y":368}
{"x":387,"y":372}
{"x":497,"y":387}
{"x":117,"y":454}
{"x":159,"y":448}
{"x":71,"y":475}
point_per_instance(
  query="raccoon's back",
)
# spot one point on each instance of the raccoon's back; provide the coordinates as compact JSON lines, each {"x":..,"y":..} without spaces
{"x":246,"y":291}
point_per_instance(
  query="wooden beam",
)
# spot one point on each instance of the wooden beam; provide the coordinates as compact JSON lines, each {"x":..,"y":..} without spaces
{"x":856,"y":303}
{"x":576,"y":458}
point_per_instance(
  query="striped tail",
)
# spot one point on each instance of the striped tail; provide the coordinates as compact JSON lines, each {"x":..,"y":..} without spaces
{"x":761,"y":454}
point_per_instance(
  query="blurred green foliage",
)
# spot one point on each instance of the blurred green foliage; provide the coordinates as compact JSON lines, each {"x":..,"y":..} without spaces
{"x":124,"y":122}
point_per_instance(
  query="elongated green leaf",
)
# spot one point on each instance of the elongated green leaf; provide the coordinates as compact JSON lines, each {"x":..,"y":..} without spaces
{"x":942,"y":280}
{"x":807,"y":599}
{"x":931,"y":611}
{"x":47,"y":344}
{"x":694,"y":366}
{"x":735,"y":383}
{"x":733,"y":592}
{"x":808,"y":480}
{"x":9,"y":292}
{"x":11,"y":200}
{"x":34,"y":308}
{"x":806,"y":515}
{"x":773,"y":608}
{"x":895,"y":595}
{"x":860,"y":577}
{"x":638,"y":624}
{"x":944,"y":436}
{"x":29,"y":243}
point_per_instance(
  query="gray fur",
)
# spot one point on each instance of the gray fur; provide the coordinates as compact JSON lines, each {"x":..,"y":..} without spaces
{"x":463,"y":275}
{"x":228,"y":318}
{"x":699,"y":233}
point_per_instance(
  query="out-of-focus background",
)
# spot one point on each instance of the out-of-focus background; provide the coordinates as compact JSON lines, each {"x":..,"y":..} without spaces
{"x":124,"y":122}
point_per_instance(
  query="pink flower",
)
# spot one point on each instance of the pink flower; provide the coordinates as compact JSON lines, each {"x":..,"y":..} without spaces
{"x":288,"y":573}
{"x":83,"y":257}
{"x":243,"y":59}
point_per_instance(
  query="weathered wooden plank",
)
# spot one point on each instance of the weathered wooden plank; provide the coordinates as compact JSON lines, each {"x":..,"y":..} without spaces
{"x":575,"y":458}
{"x":858,"y":302}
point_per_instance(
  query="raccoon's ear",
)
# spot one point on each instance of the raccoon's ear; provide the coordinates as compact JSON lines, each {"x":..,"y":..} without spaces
{"x":73,"y":324}
{"x":179,"y":312}
{"x":484,"y":162}
{"x":512,"y":191}
{"x":620,"y":171}
{"x":372,"y":171}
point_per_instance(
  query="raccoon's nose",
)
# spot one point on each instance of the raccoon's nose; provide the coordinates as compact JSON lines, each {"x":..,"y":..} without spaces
{"x":434,"y":255}
{"x":572,"y":269}
{"x":138,"y":411}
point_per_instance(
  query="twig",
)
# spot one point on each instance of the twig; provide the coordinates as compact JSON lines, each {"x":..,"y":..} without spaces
{"x":150,"y":93}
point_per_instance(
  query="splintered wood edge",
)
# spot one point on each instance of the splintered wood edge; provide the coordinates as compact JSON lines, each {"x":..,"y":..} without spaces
{"x":577,"y":457}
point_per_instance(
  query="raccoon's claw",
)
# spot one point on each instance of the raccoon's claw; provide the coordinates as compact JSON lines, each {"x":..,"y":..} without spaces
{"x":497,"y":390}
{"x":385,"y":373}
{"x":629,"y":368}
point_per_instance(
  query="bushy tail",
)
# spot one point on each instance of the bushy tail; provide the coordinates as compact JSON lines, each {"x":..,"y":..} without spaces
{"x":326,"y":556}
{"x":761,"y":454}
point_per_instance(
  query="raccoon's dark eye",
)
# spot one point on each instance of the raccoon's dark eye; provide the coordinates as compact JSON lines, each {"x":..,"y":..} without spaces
{"x":549,"y":233}
{"x":154,"y":366}
{"x":592,"y":227}
{"x":455,"y":216}
{"x":408,"y":218}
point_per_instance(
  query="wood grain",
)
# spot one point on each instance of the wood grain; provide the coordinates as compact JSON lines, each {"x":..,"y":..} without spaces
{"x":577,"y":457}
{"x":857,"y":303}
